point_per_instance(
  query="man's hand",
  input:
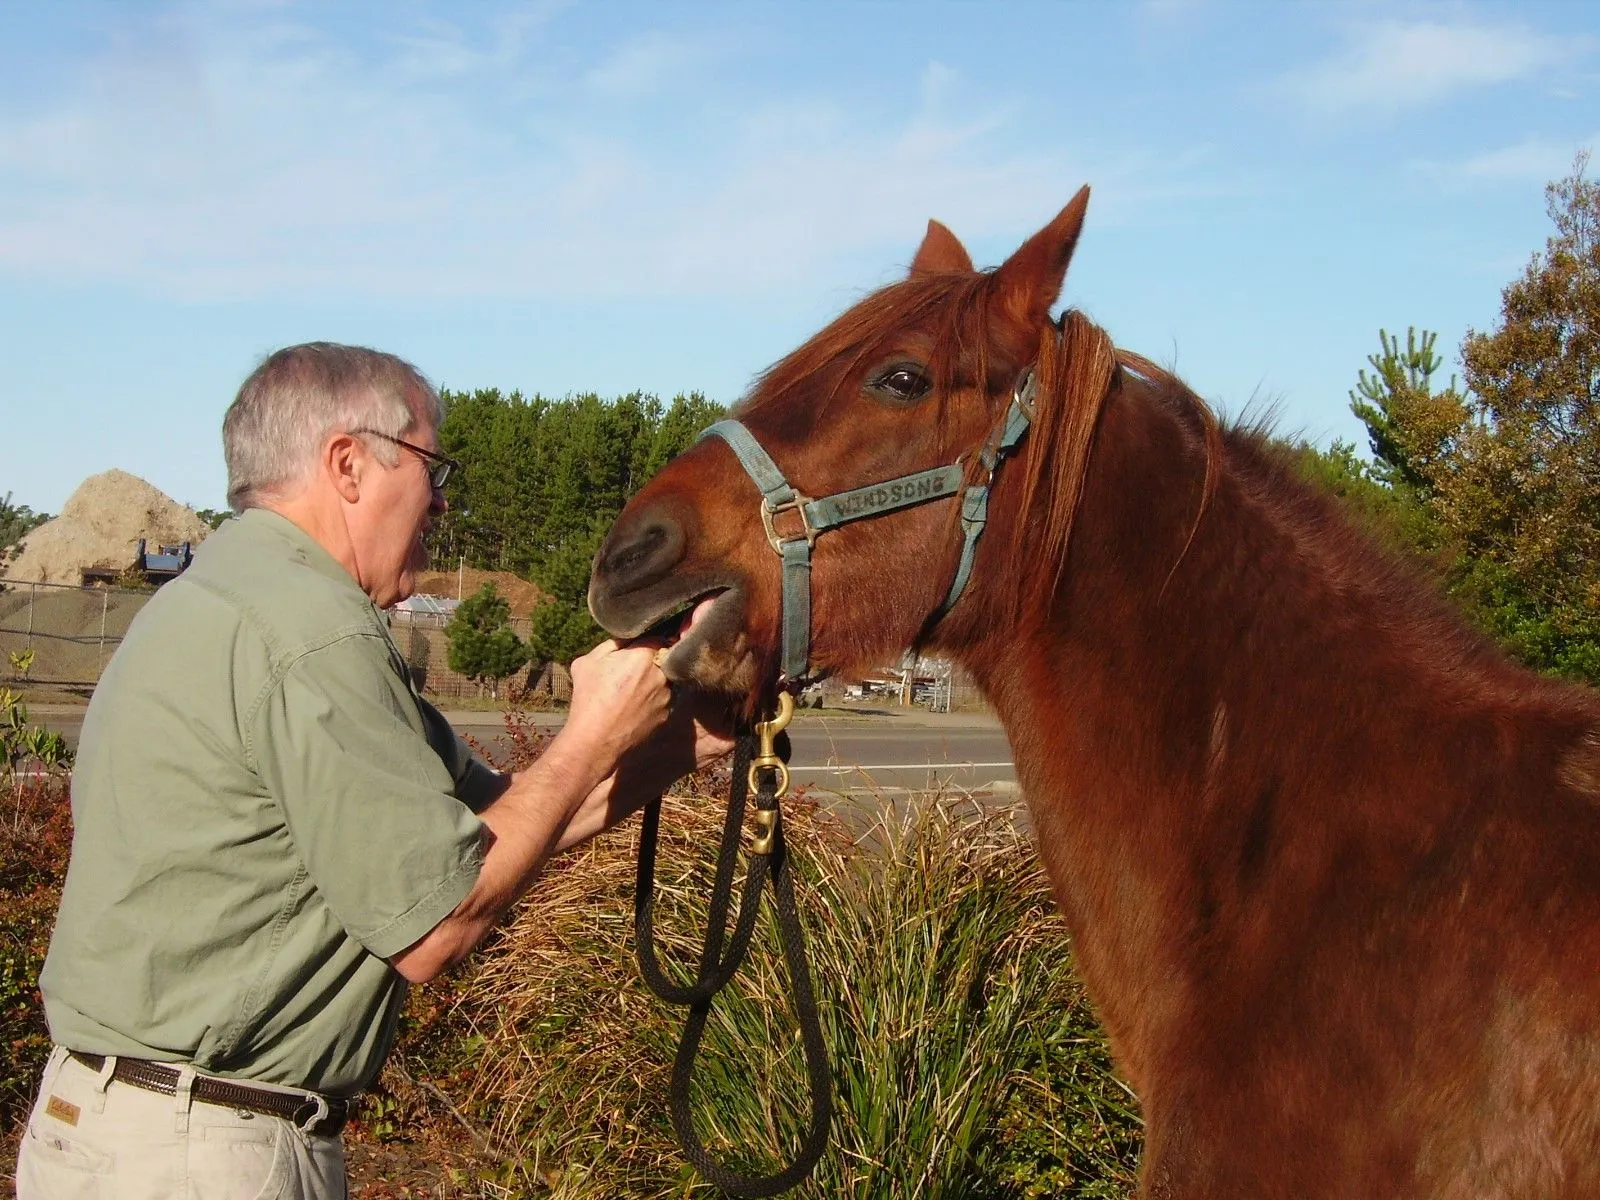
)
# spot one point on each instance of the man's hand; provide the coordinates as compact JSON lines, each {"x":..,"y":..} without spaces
{"x":697,"y":734}
{"x":619,"y":698}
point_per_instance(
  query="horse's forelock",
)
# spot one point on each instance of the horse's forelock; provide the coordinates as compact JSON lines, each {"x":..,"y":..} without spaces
{"x":953,"y":309}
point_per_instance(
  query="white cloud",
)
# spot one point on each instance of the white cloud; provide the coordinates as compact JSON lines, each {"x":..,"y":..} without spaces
{"x":1534,"y":158}
{"x":264,"y":158}
{"x":1393,"y":65}
{"x":650,"y":62}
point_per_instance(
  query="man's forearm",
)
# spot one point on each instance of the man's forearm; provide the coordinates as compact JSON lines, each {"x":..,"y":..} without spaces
{"x":526,"y":825}
{"x":565,"y":798}
{"x":617,"y":795}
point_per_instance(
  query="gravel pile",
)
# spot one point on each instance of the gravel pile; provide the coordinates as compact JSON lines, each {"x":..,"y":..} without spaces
{"x":100,"y":526}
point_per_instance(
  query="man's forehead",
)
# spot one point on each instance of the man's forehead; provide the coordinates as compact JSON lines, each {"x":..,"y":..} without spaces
{"x":421,"y":430}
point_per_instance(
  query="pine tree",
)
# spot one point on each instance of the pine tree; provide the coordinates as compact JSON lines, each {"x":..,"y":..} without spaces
{"x":1412,"y":428}
{"x":541,"y":482}
{"x":1509,"y":473}
{"x":483,"y":647}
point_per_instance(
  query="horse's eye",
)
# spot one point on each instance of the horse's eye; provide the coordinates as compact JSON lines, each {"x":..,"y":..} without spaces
{"x":902,"y":383}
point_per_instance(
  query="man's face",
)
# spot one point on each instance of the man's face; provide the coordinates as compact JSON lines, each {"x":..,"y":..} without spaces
{"x":397,"y":506}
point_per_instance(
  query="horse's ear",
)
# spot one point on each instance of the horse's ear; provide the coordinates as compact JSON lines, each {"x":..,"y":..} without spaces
{"x":941,"y":252}
{"x":1028,"y":282}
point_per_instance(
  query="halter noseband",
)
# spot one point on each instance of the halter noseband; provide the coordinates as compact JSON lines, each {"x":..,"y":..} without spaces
{"x":778,"y":497}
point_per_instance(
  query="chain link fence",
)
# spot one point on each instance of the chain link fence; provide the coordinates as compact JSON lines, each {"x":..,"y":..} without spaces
{"x":73,"y":631}
{"x":70,"y":631}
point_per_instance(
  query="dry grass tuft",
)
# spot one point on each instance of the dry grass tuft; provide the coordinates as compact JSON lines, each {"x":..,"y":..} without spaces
{"x":965,"y":1061}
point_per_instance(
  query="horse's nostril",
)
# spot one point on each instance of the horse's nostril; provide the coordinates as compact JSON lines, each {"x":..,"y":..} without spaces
{"x":642,"y":555}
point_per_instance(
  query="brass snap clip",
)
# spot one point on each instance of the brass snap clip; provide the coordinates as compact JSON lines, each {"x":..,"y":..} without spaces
{"x":766,"y":819}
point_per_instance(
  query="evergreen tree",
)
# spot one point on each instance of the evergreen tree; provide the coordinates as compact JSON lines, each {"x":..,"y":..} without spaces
{"x":16,"y":521}
{"x":483,"y":647}
{"x":562,"y":628}
{"x":1509,"y":473}
{"x":677,"y":430}
{"x":1411,"y":427}
{"x":541,"y":482}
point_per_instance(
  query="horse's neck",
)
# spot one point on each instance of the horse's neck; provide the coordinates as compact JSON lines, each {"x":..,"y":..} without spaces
{"x":1145,"y":712}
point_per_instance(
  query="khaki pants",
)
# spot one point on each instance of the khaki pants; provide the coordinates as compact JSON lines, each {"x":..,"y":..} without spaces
{"x":90,"y":1136}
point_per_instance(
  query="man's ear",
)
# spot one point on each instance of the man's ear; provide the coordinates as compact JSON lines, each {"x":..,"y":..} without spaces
{"x":344,"y":461}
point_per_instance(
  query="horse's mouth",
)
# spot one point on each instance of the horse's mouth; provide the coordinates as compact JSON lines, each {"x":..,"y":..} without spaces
{"x":708,"y":643}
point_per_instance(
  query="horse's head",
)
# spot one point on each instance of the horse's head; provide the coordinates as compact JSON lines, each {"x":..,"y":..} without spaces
{"x":915,"y":376}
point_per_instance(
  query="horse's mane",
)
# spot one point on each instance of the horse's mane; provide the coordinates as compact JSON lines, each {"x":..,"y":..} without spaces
{"x":1077,"y":375}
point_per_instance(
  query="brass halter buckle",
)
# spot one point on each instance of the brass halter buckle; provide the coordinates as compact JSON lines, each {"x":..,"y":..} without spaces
{"x":766,"y":819}
{"x":770,"y":515}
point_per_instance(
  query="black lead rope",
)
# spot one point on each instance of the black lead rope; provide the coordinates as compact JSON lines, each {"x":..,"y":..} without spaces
{"x":769,"y":859}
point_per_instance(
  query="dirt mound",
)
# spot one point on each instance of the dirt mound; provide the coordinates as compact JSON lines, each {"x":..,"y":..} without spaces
{"x":100,"y":526}
{"x":519,"y":593}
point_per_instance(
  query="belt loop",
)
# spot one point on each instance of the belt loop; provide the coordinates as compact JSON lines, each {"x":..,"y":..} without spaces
{"x":318,"y":1114}
{"x":181,"y":1099}
{"x":101,"y":1082}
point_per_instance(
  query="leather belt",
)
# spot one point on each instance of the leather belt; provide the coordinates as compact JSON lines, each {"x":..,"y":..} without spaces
{"x":301,"y":1109}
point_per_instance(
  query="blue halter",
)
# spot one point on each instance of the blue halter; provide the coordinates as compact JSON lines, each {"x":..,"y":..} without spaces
{"x":778,"y":497}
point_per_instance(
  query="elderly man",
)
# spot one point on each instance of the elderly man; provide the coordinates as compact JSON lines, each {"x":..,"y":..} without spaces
{"x":274,"y":831}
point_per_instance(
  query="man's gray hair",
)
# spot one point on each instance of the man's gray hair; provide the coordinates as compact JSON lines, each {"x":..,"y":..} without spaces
{"x":300,"y":395}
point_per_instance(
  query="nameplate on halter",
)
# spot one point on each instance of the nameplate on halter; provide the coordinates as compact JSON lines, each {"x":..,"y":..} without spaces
{"x":883,"y":497}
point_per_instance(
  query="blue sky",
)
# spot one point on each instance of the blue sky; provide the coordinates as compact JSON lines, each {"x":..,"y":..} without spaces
{"x":669,"y":196}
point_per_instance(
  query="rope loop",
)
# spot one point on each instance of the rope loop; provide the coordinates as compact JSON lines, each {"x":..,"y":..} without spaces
{"x":768,"y":860}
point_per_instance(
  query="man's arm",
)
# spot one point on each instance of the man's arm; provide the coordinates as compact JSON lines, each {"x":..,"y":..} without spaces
{"x":697,"y":733}
{"x":619,"y":698}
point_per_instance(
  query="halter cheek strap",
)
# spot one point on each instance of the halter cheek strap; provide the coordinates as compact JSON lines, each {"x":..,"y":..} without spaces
{"x":779,"y":497}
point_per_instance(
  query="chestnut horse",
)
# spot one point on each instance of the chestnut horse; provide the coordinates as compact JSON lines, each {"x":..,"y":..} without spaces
{"x":1330,"y":861}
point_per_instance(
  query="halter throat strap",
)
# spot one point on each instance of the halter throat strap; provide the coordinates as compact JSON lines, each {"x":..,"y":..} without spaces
{"x":779,"y":499}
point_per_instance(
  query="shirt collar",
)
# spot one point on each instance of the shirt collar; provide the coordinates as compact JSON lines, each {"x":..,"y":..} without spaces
{"x":263,"y":521}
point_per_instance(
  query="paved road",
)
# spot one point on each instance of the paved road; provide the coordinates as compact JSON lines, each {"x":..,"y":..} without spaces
{"x":862,"y":755}
{"x":882,"y":752}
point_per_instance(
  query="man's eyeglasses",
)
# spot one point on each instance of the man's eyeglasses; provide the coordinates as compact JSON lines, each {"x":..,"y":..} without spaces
{"x":439,"y":465}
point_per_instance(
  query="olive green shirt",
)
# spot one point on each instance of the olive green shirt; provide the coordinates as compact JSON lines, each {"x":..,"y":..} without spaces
{"x":264,"y":811}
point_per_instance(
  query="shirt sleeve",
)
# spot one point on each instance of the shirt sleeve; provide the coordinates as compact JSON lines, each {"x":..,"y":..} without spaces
{"x":477,"y":784}
{"x":367,"y":800}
